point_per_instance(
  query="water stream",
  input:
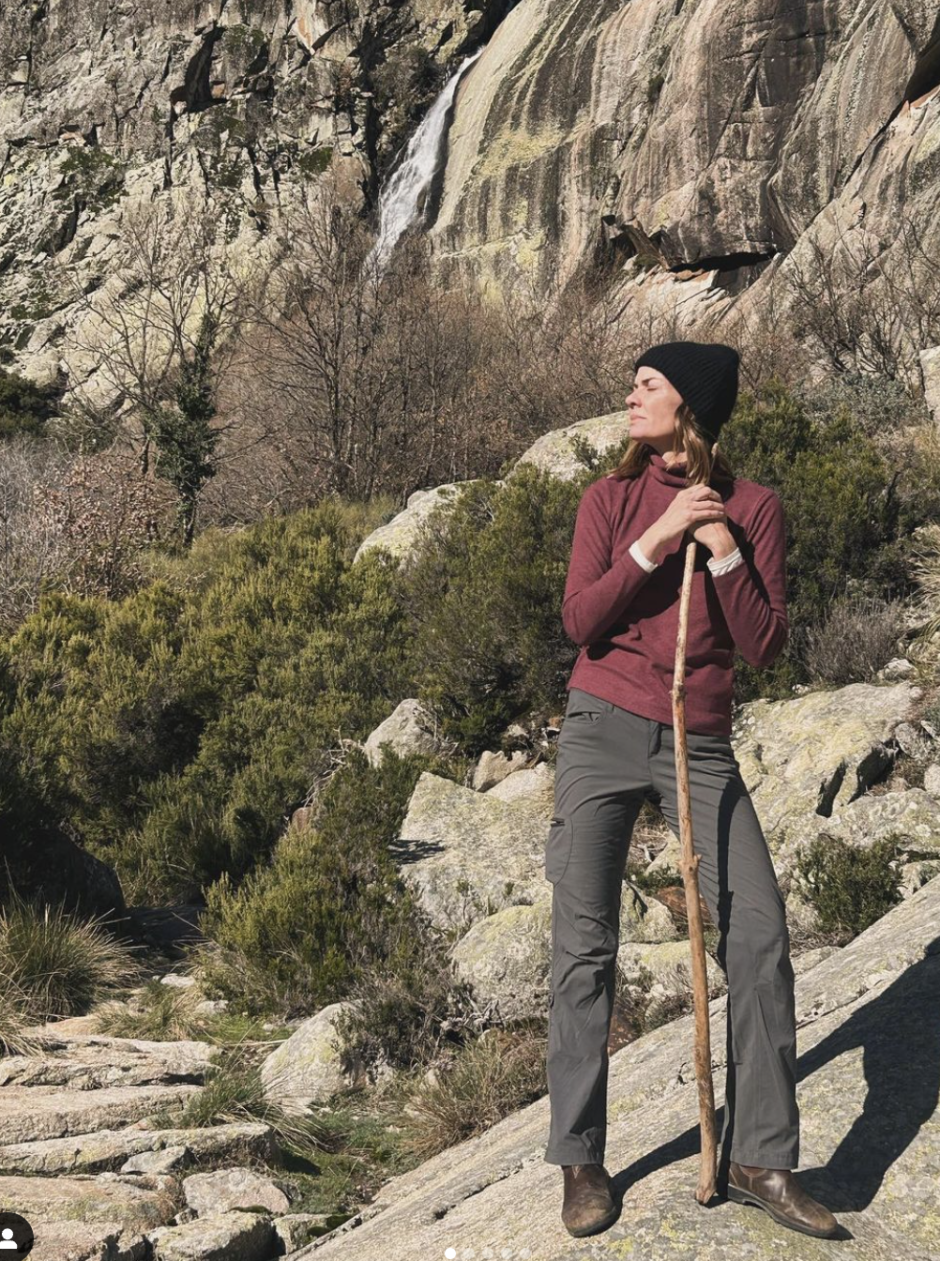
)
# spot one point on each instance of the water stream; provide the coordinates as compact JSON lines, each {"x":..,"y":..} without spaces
{"x":401,"y":196}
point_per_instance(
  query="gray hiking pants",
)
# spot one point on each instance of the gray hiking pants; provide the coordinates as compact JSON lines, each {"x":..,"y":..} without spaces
{"x":609,"y":759}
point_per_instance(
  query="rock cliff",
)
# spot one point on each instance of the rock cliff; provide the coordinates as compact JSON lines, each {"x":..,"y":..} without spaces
{"x":705,"y":145}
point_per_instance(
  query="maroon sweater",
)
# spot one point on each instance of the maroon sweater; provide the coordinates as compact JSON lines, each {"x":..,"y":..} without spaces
{"x":626,"y":619}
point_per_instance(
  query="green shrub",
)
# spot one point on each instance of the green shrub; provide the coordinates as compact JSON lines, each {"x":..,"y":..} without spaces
{"x":484,"y":593}
{"x":92,"y":175}
{"x":849,"y":514}
{"x":407,"y":1005}
{"x":24,"y":406}
{"x":296,"y":934}
{"x":849,"y":887}
{"x":177,"y":728}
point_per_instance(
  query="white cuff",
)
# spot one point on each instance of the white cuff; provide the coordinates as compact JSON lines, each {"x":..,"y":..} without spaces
{"x":637,"y":553}
{"x":731,"y":561}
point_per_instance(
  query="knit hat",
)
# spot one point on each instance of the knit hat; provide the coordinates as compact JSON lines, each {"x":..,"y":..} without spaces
{"x":704,"y":373}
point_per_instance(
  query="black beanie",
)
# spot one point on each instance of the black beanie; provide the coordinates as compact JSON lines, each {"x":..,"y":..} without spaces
{"x":704,"y":373}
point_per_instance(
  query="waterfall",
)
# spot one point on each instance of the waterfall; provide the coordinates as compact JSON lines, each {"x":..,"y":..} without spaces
{"x":399,"y":198}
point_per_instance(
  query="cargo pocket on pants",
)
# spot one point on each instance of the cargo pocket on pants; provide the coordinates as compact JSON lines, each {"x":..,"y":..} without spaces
{"x":557,"y":849}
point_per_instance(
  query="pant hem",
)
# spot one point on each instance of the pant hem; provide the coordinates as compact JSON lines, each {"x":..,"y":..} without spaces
{"x":576,"y":1158}
{"x":767,"y":1160}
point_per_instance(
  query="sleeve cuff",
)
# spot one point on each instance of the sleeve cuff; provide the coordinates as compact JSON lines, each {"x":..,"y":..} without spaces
{"x":644,"y":563}
{"x":731,"y":561}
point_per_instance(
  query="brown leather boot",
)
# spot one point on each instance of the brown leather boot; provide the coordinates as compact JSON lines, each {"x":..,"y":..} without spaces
{"x":590,"y":1202}
{"x":778,"y":1193}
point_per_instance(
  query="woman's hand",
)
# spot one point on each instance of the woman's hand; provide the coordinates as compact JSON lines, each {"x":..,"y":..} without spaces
{"x":716,"y":537}
{"x":698,"y":509}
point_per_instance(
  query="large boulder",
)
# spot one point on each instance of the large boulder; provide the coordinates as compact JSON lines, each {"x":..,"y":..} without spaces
{"x":505,"y":957}
{"x":865,"y":1050}
{"x":670,"y":963}
{"x":644,"y":918}
{"x":410,"y":728}
{"x":812,"y":755}
{"x":554,"y":452}
{"x":108,"y":1199}
{"x":913,"y":816}
{"x":468,"y":854}
{"x":401,"y":535}
{"x":48,"y":868}
{"x":308,"y":1066}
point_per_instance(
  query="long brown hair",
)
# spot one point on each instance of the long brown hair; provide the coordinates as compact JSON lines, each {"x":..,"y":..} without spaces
{"x":701,"y":466}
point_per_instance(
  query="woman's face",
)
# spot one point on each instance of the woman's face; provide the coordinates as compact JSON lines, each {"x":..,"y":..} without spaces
{"x":652,"y":408}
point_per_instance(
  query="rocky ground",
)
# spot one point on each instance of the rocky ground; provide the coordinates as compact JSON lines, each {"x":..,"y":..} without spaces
{"x":869,"y":1048}
{"x":83,"y":1161}
{"x":88,"y":1159}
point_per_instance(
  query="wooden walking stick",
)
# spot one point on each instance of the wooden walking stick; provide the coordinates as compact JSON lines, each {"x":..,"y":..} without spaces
{"x":689,"y":866}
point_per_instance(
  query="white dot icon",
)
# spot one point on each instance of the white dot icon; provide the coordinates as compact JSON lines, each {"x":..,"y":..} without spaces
{"x":450,"y":1253}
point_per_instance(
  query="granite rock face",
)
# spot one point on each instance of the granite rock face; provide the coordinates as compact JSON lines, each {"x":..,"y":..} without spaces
{"x":104,"y":107}
{"x":713,"y":140}
{"x":702,"y":148}
{"x":870,"y":1135}
{"x":809,"y":756}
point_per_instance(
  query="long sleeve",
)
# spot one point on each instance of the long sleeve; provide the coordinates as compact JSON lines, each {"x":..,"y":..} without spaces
{"x":596,"y":592}
{"x":641,"y":558}
{"x":753,"y":595}
{"x":727,"y":562}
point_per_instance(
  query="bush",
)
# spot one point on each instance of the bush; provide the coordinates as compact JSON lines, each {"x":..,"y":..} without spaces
{"x":849,"y":887}
{"x":408,"y":1006}
{"x":850,"y":514}
{"x":483,"y":592}
{"x":859,"y":636}
{"x":176,"y":729}
{"x":25,"y":406}
{"x":298,"y":933}
{"x":53,"y":965}
{"x":494,"y":1075}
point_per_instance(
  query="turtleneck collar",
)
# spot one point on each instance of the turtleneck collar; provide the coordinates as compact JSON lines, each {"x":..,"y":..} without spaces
{"x":669,"y":474}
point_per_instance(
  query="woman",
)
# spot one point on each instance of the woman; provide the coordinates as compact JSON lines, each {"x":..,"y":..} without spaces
{"x":616,"y":748}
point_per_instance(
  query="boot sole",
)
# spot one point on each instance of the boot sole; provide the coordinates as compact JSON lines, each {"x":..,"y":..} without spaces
{"x":748,"y":1197}
{"x":595,"y":1227}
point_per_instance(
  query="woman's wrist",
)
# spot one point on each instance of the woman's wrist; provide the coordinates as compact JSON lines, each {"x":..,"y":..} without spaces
{"x":725,"y":545}
{"x":652,"y":545}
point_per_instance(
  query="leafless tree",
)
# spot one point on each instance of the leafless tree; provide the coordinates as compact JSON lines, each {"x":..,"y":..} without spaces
{"x":138,"y":334}
{"x":867,"y":305}
{"x":364,"y":374}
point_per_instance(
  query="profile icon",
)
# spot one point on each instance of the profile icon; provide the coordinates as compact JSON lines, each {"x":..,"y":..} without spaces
{"x":16,"y":1236}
